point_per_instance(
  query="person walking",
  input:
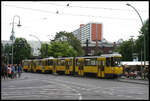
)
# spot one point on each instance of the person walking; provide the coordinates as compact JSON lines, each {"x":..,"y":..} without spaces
{"x":19,"y":70}
{"x":15,"y":73}
{"x":2,"y":71}
{"x":5,"y":71}
{"x":9,"y":71}
{"x":12,"y":71}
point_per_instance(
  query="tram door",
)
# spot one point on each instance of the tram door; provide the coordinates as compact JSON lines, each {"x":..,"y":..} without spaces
{"x":54,"y":67}
{"x":67,"y":67}
{"x":31,"y":66}
{"x":81,"y":69}
{"x":100,"y":68}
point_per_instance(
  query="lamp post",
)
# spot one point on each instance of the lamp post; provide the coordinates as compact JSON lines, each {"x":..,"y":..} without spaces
{"x":132,"y":45}
{"x":96,"y":40}
{"x":12,"y":36}
{"x":143,"y":33}
{"x":37,"y":38}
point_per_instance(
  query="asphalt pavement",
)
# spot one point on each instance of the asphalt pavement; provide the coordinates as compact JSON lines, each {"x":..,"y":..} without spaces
{"x":34,"y":86}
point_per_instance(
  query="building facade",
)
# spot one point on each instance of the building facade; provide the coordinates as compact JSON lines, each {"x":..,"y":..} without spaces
{"x":103,"y":47}
{"x":90,"y":31}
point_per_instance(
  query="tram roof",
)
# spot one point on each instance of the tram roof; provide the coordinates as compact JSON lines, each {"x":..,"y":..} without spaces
{"x":111,"y":55}
{"x":27,"y":60}
{"x":49,"y":58}
{"x":89,"y":57}
{"x":65,"y":58}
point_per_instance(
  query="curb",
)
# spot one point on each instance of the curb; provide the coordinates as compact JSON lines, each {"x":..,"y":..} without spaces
{"x":145,"y":83}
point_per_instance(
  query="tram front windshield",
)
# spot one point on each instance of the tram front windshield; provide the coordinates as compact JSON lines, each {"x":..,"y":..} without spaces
{"x":115,"y":62}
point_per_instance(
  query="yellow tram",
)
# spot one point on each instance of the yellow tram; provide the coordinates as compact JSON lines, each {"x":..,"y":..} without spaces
{"x":104,"y":66}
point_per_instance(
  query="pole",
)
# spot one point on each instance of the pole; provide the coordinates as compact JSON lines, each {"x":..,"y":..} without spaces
{"x":12,"y":52}
{"x":13,"y":33}
{"x":141,"y":60}
{"x":96,"y":39}
{"x":87,"y":42}
{"x":143,"y":33}
{"x":132,"y":47}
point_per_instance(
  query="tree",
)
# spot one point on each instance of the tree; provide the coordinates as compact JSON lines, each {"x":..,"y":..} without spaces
{"x":22,"y":50}
{"x":71,"y":39}
{"x":125,"y":49}
{"x":2,"y":53}
{"x":8,"y":52}
{"x":140,"y":41}
{"x":44,"y":50}
{"x":62,"y":49}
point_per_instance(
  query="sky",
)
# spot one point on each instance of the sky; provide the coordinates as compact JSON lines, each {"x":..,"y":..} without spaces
{"x":39,"y":18}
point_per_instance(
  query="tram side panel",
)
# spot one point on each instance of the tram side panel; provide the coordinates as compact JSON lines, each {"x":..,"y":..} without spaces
{"x":60,"y":66}
{"x":25,"y":65}
{"x":90,"y":66}
{"x":49,"y":66}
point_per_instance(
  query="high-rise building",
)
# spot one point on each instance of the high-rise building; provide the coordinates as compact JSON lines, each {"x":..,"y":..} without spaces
{"x":90,"y":31}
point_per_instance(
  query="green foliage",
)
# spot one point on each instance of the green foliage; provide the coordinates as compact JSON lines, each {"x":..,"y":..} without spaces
{"x":44,"y":50}
{"x":22,"y":50}
{"x":140,"y":41}
{"x":126,"y":47}
{"x":72,"y":40}
{"x":99,"y":52}
{"x":62,"y":49}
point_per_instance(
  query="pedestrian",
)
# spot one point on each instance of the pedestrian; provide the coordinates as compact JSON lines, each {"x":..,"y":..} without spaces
{"x":19,"y":70}
{"x":12,"y":71}
{"x":2,"y":71}
{"x":5,"y":71}
{"x":9,"y":71}
{"x":15,"y":73}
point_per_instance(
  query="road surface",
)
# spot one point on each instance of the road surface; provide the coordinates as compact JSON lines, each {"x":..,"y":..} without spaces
{"x":60,"y":87}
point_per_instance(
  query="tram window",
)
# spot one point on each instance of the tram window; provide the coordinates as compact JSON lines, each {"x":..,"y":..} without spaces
{"x":45,"y":62}
{"x":25,"y":63}
{"x":117,"y":61}
{"x":34,"y":64}
{"x":90,"y":62}
{"x":87,"y":62}
{"x":107,"y":62}
{"x":50,"y":62}
{"x":39,"y":62}
{"x":77,"y":62}
{"x":112,"y":62}
{"x":58,"y":62}
{"x":62,"y":62}
{"x":102,"y":63}
{"x":70,"y":62}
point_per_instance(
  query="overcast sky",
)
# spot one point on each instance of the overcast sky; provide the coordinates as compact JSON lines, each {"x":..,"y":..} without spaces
{"x":40,"y":18}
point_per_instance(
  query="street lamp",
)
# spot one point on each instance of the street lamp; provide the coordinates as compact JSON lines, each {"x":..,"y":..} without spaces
{"x":143,"y":33}
{"x":12,"y":36}
{"x":96,"y":40}
{"x":132,"y":45}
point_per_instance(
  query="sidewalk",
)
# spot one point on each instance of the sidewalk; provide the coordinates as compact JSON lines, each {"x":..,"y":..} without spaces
{"x":137,"y":80}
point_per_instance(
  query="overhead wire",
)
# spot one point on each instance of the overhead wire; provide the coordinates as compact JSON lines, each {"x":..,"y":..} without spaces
{"x":57,"y":12}
{"x":68,"y":5}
